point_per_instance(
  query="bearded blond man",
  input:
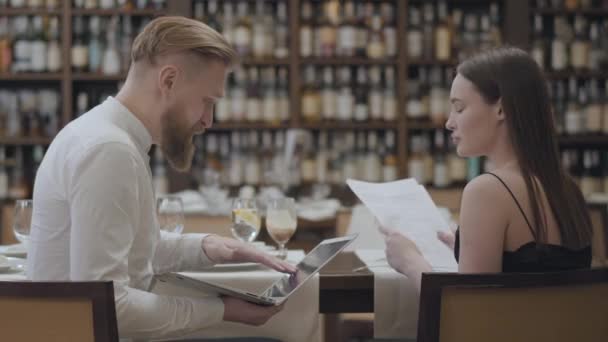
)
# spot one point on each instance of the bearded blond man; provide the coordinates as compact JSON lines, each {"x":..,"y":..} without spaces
{"x":94,"y":207}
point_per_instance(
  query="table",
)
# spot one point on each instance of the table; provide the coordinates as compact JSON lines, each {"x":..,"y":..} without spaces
{"x":340,"y":289}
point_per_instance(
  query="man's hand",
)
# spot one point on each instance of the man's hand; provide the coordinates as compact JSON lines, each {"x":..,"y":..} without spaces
{"x":225,"y":250}
{"x":240,"y":311}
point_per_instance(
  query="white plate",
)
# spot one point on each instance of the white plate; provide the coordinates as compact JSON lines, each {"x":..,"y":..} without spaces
{"x":13,"y":265}
{"x":16,"y":250}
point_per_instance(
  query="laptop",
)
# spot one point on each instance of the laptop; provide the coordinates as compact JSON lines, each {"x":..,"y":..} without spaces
{"x":280,"y":290}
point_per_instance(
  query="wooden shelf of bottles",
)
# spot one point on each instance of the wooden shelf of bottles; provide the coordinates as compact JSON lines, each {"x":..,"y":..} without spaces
{"x":31,"y":76}
{"x":9,"y":11}
{"x":514,"y":32}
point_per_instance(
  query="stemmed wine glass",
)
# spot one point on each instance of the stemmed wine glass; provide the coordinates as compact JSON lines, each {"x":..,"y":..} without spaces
{"x":281,"y":222}
{"x":22,"y":219}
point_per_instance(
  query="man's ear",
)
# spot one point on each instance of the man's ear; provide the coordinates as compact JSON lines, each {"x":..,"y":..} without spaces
{"x":167,"y":78}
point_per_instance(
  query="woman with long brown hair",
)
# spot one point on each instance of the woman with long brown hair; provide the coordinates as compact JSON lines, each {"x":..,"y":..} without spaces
{"x":526,"y":214}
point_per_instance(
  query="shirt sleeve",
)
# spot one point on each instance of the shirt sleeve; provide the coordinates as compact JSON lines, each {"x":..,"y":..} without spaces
{"x":104,"y":209}
{"x":180,"y":252}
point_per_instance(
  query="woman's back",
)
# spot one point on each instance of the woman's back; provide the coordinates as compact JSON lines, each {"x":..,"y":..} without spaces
{"x":521,"y":252}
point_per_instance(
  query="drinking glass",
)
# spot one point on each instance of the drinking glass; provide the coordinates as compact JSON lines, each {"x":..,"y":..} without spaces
{"x":22,"y":219}
{"x":281,"y":222}
{"x":245,"y":219}
{"x":170,"y":213}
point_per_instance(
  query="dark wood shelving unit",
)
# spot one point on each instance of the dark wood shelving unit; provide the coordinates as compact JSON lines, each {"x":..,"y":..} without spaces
{"x":516,"y":31}
{"x":31,"y":76}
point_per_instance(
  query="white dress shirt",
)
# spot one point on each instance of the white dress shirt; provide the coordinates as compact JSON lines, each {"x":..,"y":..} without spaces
{"x":94,"y":219}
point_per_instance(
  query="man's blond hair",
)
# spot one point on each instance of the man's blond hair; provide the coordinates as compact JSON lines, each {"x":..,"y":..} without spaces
{"x":169,"y":35}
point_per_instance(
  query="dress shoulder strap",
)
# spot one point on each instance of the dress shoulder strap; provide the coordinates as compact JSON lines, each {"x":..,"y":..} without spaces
{"x":516,"y":202}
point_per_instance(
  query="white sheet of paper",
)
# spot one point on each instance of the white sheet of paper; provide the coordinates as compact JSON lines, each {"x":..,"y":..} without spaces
{"x":406,"y":206}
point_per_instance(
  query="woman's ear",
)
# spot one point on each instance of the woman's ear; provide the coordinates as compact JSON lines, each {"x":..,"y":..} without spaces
{"x":500,"y":113}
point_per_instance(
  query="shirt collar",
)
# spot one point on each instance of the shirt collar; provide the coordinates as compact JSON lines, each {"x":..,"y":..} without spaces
{"x":134,"y":127}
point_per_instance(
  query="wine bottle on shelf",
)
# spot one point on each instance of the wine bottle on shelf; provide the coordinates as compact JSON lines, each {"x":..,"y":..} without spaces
{"x":281,"y":29}
{"x":347,"y":31}
{"x":242,"y":31}
{"x":6,"y":53}
{"x":593,"y":112}
{"x":389,"y":101}
{"x":270,"y":109}
{"x":3,"y":174}
{"x":346,"y":100}
{"x":53,"y":53}
{"x":283,"y":95}
{"x":311,"y":99}
{"x":306,"y":30}
{"x":361,"y":93}
{"x":254,"y":96}
{"x":559,"y":56}
{"x":389,"y":30}
{"x":22,"y":48}
{"x":428,"y":13}
{"x":328,"y":95}
{"x":443,"y":47}
{"x":111,"y":64}
{"x":95,"y":45}
{"x":38,"y":46}
{"x":80,"y":52}
{"x":414,"y":34}
{"x":538,"y":44}
{"x":375,"y":95}
{"x":390,"y":171}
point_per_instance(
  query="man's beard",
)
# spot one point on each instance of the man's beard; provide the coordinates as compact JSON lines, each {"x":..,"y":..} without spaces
{"x":176,"y":141}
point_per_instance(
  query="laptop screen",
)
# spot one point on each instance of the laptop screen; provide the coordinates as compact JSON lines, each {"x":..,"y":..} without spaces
{"x":311,"y":264}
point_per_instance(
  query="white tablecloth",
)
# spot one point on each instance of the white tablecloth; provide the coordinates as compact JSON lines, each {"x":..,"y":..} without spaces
{"x":395,"y":298}
{"x":298,"y":322}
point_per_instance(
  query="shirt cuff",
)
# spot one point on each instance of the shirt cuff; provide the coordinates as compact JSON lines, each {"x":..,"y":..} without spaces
{"x":193,"y":245}
{"x":210,"y":310}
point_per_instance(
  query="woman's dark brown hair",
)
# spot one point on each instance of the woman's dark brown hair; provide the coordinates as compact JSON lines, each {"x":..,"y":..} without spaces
{"x":510,"y":75}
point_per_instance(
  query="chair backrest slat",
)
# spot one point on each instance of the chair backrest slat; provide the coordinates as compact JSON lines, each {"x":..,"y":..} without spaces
{"x":58,"y":311}
{"x":556,"y":306}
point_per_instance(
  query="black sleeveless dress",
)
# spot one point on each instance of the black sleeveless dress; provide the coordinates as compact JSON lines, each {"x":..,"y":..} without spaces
{"x":533,"y":257}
